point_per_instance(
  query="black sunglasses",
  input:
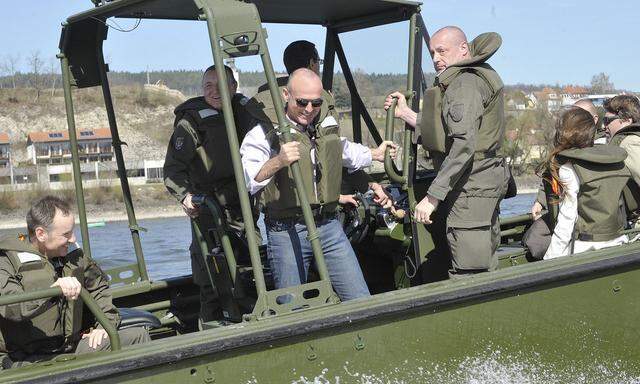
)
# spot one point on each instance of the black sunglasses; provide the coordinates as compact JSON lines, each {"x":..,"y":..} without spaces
{"x":609,"y":119}
{"x":315,"y":103}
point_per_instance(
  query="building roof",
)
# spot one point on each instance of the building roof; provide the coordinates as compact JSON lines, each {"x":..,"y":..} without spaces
{"x":4,"y":138}
{"x":57,"y":136}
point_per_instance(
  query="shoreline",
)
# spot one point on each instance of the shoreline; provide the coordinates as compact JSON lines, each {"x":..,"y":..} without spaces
{"x":142,"y":213}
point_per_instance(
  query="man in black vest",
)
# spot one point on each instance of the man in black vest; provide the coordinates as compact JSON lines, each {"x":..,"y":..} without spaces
{"x":40,"y":329}
{"x":198,"y":161}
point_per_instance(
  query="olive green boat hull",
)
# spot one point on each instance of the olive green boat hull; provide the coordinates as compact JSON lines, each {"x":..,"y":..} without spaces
{"x":573,"y":319}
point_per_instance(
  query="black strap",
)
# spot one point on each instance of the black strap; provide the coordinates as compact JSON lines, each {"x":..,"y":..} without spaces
{"x":485,"y":155}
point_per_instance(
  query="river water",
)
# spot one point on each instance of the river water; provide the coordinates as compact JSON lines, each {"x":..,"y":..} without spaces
{"x":166,"y":242}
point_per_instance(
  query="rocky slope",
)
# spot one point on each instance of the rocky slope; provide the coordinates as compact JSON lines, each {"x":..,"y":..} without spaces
{"x":144,"y":116}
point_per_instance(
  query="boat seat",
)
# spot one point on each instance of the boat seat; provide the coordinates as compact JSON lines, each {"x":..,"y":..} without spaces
{"x":131,"y":317}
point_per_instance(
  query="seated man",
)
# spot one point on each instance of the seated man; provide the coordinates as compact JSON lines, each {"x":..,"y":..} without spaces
{"x":321,"y":153}
{"x":39,"y":330}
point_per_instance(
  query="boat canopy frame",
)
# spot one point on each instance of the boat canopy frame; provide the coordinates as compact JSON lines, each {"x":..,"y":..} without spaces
{"x":235,"y":30}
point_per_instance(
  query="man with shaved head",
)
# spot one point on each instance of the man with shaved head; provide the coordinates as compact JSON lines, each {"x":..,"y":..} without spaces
{"x":321,"y":153}
{"x":462,"y":127}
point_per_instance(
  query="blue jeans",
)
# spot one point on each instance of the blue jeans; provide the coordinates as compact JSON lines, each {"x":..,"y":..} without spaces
{"x":290,"y":255}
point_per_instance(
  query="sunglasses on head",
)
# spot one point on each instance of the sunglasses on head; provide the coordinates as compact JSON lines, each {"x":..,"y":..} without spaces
{"x":315,"y":103}
{"x":609,"y":119}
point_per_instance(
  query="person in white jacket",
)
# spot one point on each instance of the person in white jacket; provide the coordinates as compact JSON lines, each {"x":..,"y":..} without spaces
{"x":588,"y":182}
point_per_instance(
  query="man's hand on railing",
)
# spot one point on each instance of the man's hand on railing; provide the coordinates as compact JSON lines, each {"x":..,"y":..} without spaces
{"x":70,"y":287}
{"x":189,"y":208}
{"x":536,"y":210}
{"x":95,"y":337}
{"x":377,"y":154}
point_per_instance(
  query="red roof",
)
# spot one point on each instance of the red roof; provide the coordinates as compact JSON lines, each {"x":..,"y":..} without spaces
{"x":55,"y":136}
{"x":4,"y":138}
{"x":575,"y":90}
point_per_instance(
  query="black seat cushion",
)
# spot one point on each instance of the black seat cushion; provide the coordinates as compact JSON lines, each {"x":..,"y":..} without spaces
{"x":132,"y":317}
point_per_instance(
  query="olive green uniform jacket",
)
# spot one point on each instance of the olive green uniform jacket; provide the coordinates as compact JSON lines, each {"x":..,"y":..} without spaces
{"x":51,"y":325}
{"x":471,"y":176}
{"x":628,"y":138}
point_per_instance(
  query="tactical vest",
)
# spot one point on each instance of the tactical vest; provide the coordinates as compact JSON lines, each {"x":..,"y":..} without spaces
{"x":207,"y":130}
{"x":492,"y":124}
{"x":602,"y":176}
{"x":58,"y":323}
{"x":631,"y":192}
{"x":280,"y":198}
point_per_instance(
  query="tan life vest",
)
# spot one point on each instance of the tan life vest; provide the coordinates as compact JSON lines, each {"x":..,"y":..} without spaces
{"x":602,"y":176}
{"x":322,"y":179}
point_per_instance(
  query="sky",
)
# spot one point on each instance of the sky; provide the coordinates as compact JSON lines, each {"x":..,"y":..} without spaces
{"x":544,"y":41}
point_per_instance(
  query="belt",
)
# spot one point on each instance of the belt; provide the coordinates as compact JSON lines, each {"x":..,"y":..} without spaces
{"x":319,"y":213}
{"x":485,"y":155}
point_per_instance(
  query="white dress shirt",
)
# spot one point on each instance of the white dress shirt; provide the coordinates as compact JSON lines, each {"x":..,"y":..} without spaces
{"x":256,"y":151}
{"x":561,"y":240}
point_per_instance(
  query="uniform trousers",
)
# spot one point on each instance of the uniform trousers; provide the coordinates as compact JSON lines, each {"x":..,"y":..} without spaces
{"x":466,"y":231}
{"x":128,"y":337}
{"x":209,"y":306}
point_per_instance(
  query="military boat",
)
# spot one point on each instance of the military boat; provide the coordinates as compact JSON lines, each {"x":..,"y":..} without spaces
{"x":571,"y":319}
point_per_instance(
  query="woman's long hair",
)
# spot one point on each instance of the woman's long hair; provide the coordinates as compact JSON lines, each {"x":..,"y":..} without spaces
{"x":575,"y":128}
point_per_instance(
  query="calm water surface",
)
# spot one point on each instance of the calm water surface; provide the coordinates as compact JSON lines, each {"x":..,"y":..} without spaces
{"x":166,"y":242}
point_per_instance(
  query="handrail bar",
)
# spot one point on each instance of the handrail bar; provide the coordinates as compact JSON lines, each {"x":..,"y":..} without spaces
{"x":114,"y":338}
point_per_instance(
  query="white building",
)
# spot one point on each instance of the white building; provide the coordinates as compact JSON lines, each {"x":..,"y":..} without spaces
{"x":54,"y":147}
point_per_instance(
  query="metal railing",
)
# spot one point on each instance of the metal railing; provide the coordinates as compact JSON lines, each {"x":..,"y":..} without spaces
{"x":86,"y":298}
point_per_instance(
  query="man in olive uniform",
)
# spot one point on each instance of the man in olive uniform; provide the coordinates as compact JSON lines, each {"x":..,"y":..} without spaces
{"x":198,"y":161}
{"x":463,"y":132}
{"x":622,"y":126}
{"x":321,"y":153}
{"x":40,"y":329}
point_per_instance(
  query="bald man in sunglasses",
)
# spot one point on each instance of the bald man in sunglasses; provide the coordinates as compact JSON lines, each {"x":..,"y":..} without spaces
{"x":321,"y":153}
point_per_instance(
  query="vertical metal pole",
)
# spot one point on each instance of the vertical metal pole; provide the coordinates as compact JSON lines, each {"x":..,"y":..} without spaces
{"x":313,"y":235}
{"x":418,"y":84}
{"x":356,"y":122}
{"x":408,"y":130}
{"x":230,"y":125}
{"x":75,"y":161}
{"x":122,"y":171}
{"x":329,"y":60}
